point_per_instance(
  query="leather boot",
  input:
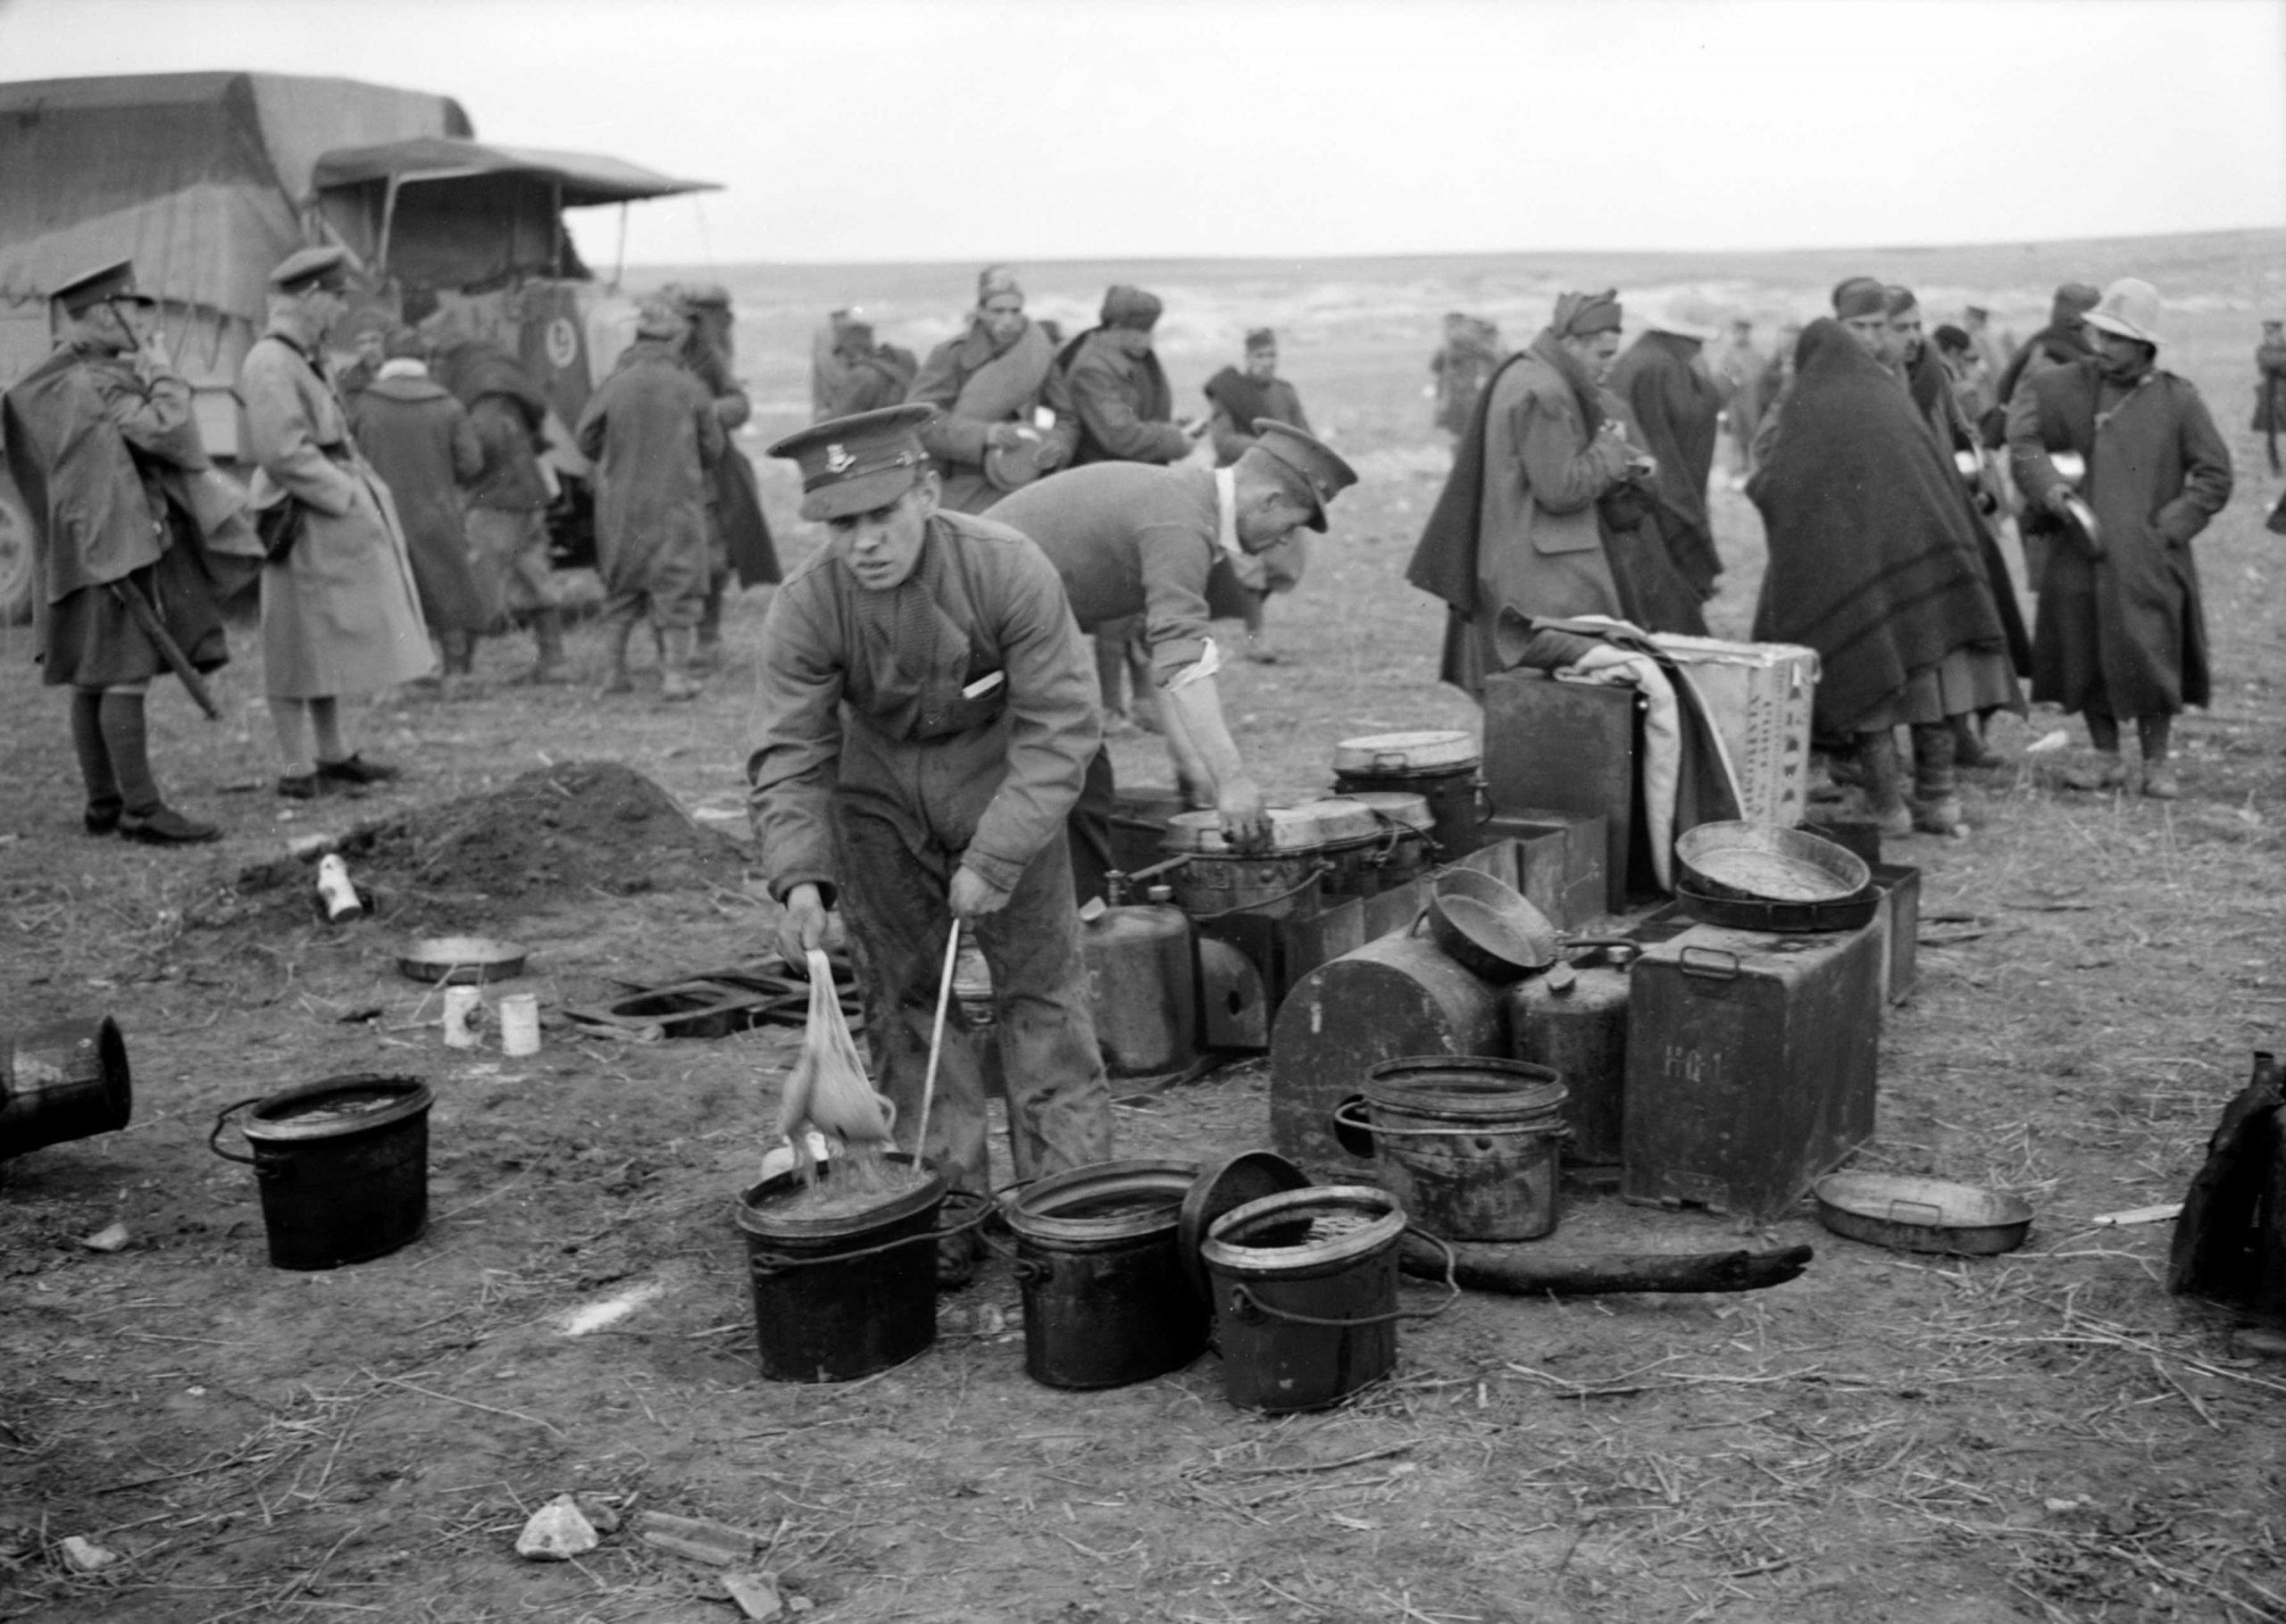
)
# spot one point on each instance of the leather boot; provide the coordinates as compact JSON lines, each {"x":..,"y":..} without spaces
{"x":675,"y":681}
{"x":2159,"y":781}
{"x":1970,"y":753}
{"x":1883,"y":782}
{"x":103,"y":805}
{"x":1936,"y":797}
{"x":143,"y":815}
{"x":547,"y":633}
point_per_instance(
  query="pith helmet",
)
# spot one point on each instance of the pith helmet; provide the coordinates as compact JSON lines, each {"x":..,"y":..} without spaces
{"x":2129,"y":308}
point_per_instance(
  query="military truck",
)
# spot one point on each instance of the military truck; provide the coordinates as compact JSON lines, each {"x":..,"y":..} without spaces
{"x":205,"y":180}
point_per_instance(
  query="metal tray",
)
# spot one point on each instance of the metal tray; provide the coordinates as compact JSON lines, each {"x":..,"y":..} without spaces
{"x":1768,"y":863}
{"x":1779,"y":919}
{"x":1910,"y":1213}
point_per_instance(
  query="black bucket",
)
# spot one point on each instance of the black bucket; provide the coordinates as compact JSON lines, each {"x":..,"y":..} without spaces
{"x":839,"y":1297}
{"x":1469,"y":1144}
{"x":342,"y":1165}
{"x":1099,"y":1254}
{"x":1305,"y":1294}
{"x":64,"y":1081}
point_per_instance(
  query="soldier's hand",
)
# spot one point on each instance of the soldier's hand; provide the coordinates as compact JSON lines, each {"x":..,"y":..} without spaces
{"x":802,"y":927}
{"x":972,"y":896}
{"x":2058,"y":500}
{"x":1005,"y":436}
{"x":1246,"y":821}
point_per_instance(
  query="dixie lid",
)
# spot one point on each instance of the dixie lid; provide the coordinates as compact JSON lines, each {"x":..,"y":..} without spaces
{"x":1405,"y":752}
{"x":1397,"y":806}
{"x":1292,"y":828}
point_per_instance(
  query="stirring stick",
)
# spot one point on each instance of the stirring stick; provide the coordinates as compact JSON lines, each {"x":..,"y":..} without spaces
{"x":936,"y":1043}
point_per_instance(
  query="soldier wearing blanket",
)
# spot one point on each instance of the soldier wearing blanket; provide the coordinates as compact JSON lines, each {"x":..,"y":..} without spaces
{"x":928,"y":711}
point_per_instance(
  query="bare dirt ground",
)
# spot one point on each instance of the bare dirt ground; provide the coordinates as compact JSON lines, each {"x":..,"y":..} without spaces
{"x":2044,"y":1435}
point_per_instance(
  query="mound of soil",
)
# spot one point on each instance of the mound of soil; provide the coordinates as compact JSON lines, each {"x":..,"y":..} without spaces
{"x":580,"y":826}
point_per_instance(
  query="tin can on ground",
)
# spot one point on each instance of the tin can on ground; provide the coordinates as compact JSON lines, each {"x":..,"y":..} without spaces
{"x":520,"y":1024}
{"x":463,"y":1007}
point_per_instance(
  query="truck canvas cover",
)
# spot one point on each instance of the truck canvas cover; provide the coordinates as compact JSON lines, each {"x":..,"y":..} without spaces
{"x":202,"y":179}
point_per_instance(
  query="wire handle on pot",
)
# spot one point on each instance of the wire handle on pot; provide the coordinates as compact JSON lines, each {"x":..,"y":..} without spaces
{"x":214,"y":1139}
{"x":1318,"y":870}
{"x":1936,"y":1219}
{"x":765,"y":1264}
{"x":1242,"y":1299}
{"x":1489,"y":1130}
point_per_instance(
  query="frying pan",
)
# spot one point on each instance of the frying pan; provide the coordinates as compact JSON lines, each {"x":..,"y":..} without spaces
{"x":1493,"y":930}
{"x":1768,"y":863}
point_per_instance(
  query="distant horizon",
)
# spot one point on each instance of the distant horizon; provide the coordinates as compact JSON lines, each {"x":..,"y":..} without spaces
{"x":1963,"y":245}
{"x":946,"y":131}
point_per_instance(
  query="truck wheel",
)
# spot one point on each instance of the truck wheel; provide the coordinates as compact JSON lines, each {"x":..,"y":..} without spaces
{"x":15,"y":559}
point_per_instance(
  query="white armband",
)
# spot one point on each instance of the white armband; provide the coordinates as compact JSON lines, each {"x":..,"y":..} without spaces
{"x":1206,"y":665}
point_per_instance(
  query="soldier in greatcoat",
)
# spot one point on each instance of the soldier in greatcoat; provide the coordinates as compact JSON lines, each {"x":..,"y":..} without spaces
{"x":992,"y":387}
{"x":134,"y":533}
{"x":2121,"y":632}
{"x":654,"y":436}
{"x":340,"y":614}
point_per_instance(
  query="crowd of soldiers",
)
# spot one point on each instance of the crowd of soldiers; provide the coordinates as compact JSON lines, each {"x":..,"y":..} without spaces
{"x":928,"y":756}
{"x":1885,"y":462}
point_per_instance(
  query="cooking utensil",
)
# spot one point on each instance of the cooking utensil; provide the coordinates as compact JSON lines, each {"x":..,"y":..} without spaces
{"x":1909,"y":1213}
{"x":1766,"y":863}
{"x":936,"y":1040}
{"x":1493,"y":930}
{"x":1778,"y":919}
{"x":464,"y":961}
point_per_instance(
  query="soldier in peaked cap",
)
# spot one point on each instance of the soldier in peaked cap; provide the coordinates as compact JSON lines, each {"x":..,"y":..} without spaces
{"x":101,"y":440}
{"x":340,"y":614}
{"x":928,"y":711}
{"x":1164,"y":544}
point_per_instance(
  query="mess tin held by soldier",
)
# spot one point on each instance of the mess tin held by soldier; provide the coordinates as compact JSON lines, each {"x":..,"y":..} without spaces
{"x":927,"y":712}
{"x":1131,"y":539}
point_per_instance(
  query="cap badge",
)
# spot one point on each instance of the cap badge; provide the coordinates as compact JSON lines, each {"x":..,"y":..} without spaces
{"x":837,"y":460}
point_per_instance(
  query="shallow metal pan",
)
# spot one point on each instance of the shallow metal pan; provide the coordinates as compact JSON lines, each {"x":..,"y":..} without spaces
{"x":1910,"y":1213}
{"x":1768,"y":863}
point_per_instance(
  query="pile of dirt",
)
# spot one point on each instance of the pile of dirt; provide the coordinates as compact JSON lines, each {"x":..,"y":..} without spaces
{"x":576,"y":829}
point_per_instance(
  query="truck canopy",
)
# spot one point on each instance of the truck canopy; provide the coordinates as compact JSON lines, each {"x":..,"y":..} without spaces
{"x":205,"y":180}
{"x":437,"y":212}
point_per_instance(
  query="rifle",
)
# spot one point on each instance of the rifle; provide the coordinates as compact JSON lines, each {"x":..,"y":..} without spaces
{"x":148,"y":618}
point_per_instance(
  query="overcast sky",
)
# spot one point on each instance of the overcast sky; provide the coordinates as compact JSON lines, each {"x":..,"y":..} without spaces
{"x":968,"y":129}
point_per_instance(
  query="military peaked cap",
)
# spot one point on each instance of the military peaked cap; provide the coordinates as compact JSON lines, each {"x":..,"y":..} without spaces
{"x":1309,"y":465}
{"x":90,"y":289}
{"x":307,"y":268}
{"x":852,"y":465}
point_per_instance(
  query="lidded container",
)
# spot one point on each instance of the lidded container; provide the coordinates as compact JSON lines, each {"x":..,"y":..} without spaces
{"x":1283,"y":880}
{"x":1440,"y":766}
{"x":1400,"y":849}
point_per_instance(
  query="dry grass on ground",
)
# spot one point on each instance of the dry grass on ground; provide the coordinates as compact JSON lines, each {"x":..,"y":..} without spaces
{"x":2045,"y":1436}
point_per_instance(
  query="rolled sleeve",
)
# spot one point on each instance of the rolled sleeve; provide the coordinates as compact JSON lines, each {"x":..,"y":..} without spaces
{"x":1175,"y":562}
